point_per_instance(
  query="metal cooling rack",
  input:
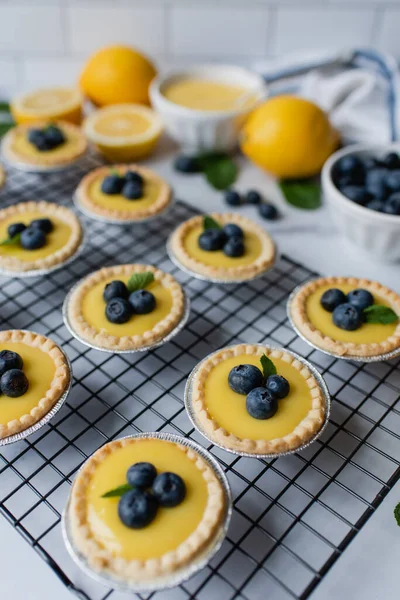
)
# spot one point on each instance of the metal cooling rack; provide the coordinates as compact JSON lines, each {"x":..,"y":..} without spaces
{"x":293,"y":516}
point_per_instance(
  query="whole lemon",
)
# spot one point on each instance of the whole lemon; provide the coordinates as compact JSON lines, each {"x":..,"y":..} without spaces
{"x":288,"y":136}
{"x":117,"y":75}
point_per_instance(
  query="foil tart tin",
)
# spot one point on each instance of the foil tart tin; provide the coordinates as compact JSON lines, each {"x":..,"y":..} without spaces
{"x":21,"y":435}
{"x":185,"y":269}
{"x":184,"y":573}
{"x":188,"y":400}
{"x":164,"y":340}
{"x":362,"y":359}
{"x":101,"y":219}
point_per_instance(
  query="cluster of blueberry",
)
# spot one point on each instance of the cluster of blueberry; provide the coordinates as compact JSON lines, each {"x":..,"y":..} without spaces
{"x":347,"y":311}
{"x":370,"y":182}
{"x":266,"y":209}
{"x":13,"y":381}
{"x":121,"y":304}
{"x":130,"y":185}
{"x":46,"y":139}
{"x":262,"y":393}
{"x":32,"y":236}
{"x":229,"y":239}
{"x":138,"y":506}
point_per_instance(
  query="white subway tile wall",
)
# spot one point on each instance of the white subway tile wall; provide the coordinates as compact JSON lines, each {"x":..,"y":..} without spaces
{"x":45,"y":42}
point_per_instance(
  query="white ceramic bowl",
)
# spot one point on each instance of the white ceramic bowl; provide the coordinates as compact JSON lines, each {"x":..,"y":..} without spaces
{"x":206,"y":131}
{"x":376,"y":233}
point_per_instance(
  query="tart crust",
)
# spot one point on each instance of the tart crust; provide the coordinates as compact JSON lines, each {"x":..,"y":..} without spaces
{"x":302,"y":433}
{"x":238,"y":273}
{"x":12,"y":263}
{"x":124,"y":342}
{"x":58,"y":386}
{"x":45,"y":159}
{"x":162,"y":201}
{"x":101,"y":559}
{"x":300,"y":318}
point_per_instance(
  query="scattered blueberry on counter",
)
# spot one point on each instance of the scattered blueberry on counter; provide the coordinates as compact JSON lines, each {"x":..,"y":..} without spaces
{"x":187,"y":164}
{"x":373,"y":183}
{"x":266,"y":210}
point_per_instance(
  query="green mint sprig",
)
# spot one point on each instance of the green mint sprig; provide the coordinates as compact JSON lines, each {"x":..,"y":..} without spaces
{"x":268,"y":366}
{"x":118,"y":491}
{"x":379,"y":314}
{"x":139,"y":281}
{"x":396,"y":513}
{"x":219,"y":169}
{"x":302,"y":194}
{"x":210,"y":223}
{"x":11,"y":240}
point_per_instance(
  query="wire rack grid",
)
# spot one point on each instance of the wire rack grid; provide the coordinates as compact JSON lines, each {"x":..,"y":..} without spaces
{"x":293,"y":516}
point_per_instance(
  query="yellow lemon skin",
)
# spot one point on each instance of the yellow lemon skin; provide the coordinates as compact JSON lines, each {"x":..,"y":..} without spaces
{"x":117,"y":74}
{"x":289,"y":137}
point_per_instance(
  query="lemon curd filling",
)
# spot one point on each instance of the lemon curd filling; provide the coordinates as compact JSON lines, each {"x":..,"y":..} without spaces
{"x":170,"y":527}
{"x":228,"y":408}
{"x":368,"y":333}
{"x":151,"y":192}
{"x":252,"y":244}
{"x":21,"y":145}
{"x":93,"y":310}
{"x":204,"y":94}
{"x":39,"y":368}
{"x":54,"y":240}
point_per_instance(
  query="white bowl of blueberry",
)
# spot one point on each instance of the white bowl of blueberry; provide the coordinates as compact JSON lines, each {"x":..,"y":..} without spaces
{"x":362,"y":186}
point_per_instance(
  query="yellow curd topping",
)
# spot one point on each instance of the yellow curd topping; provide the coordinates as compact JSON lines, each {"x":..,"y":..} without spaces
{"x":368,"y":333}
{"x":21,"y":145}
{"x":204,"y":94}
{"x":151,"y":192}
{"x":170,"y":527}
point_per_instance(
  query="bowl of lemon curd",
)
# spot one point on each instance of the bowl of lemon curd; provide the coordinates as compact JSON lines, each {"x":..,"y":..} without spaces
{"x":203,"y":108}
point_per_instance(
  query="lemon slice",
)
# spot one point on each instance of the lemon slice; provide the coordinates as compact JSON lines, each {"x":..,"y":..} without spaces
{"x":124,"y":132}
{"x":58,"y":103}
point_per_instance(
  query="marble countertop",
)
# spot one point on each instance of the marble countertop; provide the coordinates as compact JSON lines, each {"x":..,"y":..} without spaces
{"x":367,"y":568}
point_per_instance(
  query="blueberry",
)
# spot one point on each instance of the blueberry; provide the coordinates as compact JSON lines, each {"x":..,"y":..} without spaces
{"x":187,"y":164}
{"x":132,"y":190}
{"x":357,"y":194}
{"x":392,"y":206}
{"x":32,"y":238}
{"x":142,"y":302}
{"x":253,"y":197}
{"x":44,"y":225}
{"x":234,"y":247}
{"x":38,"y":139}
{"x":391,"y":161}
{"x":118,"y":310}
{"x":112,"y":184}
{"x":268,"y":211}
{"x":375,"y":182}
{"x":347,"y":316}
{"x":15,"y":228}
{"x":137,"y":509}
{"x":233,"y":198}
{"x":134,"y":176}
{"x":369,"y":162}
{"x":278,"y":386}
{"x":232,"y":230}
{"x":141,"y":475}
{"x":261,"y":404}
{"x":244,"y":378}
{"x":377,"y":205}
{"x":332,"y":298}
{"x":212,"y":240}
{"x":169,"y":489}
{"x":352,"y":166}
{"x":393,"y":181}
{"x":13,"y":383}
{"x":360,"y":298}
{"x":343,"y":181}
{"x":115,"y":289}
{"x":54,"y":136}
{"x":10,"y":360}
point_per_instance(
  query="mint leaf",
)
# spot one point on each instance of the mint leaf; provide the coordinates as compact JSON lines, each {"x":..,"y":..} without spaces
{"x":4,"y":127}
{"x":118,"y":491}
{"x":380,"y":314}
{"x":139,"y":281}
{"x":4,"y":106}
{"x":268,"y":366}
{"x":302,"y":194}
{"x":397,"y":513}
{"x":210,"y":223}
{"x":219,"y":169}
{"x":9,"y":241}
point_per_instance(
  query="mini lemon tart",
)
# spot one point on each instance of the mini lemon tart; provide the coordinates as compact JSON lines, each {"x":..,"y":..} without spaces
{"x":361,"y":331}
{"x":58,"y":238}
{"x":252,"y":416}
{"x":125,"y":307}
{"x":36,"y":363}
{"x":222,"y":258}
{"x":32,"y":145}
{"x":118,"y":538}
{"x":124,"y":193}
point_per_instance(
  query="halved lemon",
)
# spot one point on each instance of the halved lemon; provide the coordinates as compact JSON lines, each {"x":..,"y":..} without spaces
{"x":124,"y":132}
{"x":58,"y":103}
